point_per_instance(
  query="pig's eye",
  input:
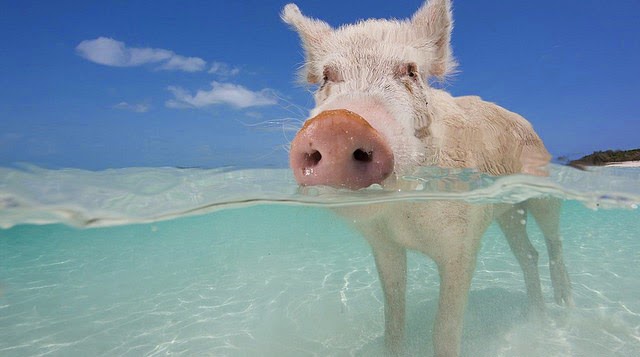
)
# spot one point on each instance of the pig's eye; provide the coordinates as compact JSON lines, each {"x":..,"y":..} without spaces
{"x":330,"y":74}
{"x":407,"y":70}
{"x":412,"y":70}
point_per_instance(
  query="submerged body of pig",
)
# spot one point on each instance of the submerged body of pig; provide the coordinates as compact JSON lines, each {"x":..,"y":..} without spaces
{"x":376,"y":119}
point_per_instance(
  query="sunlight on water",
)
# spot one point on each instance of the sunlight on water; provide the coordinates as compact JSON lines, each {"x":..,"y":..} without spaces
{"x":236,"y":263}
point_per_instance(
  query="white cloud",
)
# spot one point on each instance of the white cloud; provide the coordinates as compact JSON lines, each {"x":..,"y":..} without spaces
{"x":220,"y":93}
{"x":188,"y":64}
{"x":223,"y":69}
{"x":109,"y":52}
{"x":138,"y":108}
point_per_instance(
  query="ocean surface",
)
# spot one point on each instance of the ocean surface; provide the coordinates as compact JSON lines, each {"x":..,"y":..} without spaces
{"x":222,"y":262}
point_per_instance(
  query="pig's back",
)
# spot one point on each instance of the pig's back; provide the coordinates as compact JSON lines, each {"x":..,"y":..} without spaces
{"x":485,"y":136}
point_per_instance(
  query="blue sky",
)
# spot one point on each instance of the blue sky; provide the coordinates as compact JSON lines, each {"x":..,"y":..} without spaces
{"x":211,"y":83}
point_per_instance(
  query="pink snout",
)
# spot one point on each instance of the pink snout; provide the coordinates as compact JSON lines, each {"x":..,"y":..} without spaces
{"x":339,"y":148}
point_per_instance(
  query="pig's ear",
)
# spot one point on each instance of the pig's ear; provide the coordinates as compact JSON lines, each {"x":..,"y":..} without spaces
{"x":432,"y":24}
{"x":312,"y":32}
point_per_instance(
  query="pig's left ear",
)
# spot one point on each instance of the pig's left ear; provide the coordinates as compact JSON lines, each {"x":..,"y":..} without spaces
{"x":432,"y":25}
{"x":312,"y":33}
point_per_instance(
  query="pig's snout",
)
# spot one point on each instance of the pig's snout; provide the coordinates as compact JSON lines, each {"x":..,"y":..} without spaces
{"x":339,"y":148}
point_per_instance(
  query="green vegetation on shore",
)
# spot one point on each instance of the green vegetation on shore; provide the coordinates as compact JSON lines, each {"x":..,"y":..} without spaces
{"x":600,"y":158}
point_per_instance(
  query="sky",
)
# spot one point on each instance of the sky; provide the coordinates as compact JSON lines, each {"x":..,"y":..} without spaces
{"x":107,"y":84}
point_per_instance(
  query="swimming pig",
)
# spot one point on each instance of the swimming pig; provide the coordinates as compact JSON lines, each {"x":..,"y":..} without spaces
{"x":376,"y":118}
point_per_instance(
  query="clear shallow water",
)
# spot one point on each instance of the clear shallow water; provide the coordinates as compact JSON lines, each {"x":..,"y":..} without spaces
{"x":214,"y":262}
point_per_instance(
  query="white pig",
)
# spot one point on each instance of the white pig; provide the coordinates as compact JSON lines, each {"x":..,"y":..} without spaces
{"x":376,"y":119}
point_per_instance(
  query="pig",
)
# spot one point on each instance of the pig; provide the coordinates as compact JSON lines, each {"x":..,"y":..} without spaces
{"x":377,"y":118}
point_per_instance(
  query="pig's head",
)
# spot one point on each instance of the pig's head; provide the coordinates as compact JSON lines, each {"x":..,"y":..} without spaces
{"x":371,"y":114}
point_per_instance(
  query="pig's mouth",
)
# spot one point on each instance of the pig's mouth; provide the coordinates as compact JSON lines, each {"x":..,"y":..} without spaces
{"x":339,"y":148}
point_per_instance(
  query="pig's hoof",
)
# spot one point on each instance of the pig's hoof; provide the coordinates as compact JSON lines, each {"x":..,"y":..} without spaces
{"x":562,"y":292}
{"x":537,"y":311}
{"x":394,"y":345}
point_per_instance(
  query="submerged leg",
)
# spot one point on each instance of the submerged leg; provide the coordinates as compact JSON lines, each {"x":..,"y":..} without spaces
{"x":546,"y":212}
{"x":455,"y":281}
{"x":391,"y":261}
{"x":513,"y":225}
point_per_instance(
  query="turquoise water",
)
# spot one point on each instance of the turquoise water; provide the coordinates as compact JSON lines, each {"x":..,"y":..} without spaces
{"x":146,"y":261}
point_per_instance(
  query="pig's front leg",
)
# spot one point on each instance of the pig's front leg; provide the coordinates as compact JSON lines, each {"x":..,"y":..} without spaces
{"x":455,"y":280}
{"x":391,"y":261}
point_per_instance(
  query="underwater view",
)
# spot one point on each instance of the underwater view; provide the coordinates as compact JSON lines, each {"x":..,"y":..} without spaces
{"x":158,"y":261}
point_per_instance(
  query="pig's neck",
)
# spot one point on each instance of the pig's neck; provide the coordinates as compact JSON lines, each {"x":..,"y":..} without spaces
{"x":448,"y":142}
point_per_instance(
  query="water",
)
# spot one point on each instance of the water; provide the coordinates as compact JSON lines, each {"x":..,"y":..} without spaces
{"x":198,"y":262}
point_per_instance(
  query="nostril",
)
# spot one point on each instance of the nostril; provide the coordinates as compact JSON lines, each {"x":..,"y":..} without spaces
{"x":363,"y":156}
{"x":312,"y":159}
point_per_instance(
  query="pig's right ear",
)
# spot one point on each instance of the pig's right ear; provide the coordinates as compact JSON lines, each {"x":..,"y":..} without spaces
{"x":432,"y":24}
{"x":312,"y":33}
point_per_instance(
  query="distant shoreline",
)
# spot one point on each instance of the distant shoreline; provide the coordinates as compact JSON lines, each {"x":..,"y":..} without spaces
{"x":614,"y":158}
{"x":624,"y":164}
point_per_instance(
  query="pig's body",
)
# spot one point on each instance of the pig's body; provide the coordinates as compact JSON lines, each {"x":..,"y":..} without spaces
{"x":467,"y":132}
{"x":376,"y":119}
